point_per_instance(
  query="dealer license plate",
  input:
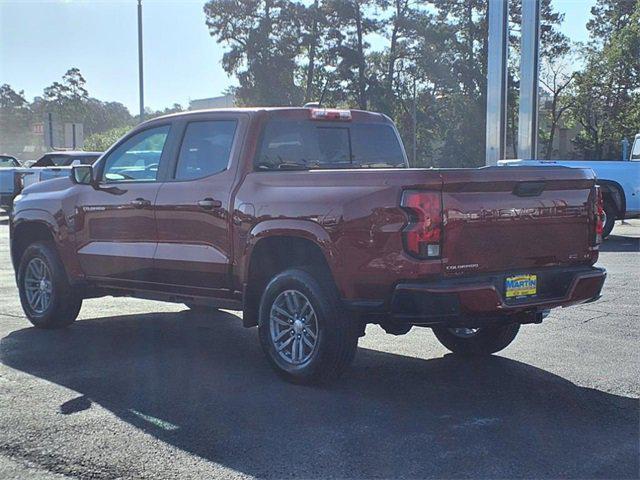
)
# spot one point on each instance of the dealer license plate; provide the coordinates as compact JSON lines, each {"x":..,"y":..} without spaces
{"x":521,"y":286}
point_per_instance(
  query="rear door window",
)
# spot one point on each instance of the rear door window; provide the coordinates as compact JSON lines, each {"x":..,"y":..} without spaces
{"x":205,"y":150}
{"x":324,"y":145}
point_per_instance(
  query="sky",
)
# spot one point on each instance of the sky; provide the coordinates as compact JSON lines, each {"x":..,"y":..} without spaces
{"x":40,"y":40}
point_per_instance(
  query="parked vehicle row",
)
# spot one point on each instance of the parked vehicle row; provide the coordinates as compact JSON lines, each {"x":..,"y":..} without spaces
{"x":14,"y":176}
{"x":311,"y":222}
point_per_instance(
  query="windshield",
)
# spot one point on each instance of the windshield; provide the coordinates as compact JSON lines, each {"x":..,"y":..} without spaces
{"x":635,"y":152}
{"x":8,"y":162}
{"x":291,"y":144}
{"x":64,"y":160}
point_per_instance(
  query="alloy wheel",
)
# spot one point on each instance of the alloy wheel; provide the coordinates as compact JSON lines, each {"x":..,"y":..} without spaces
{"x":38,"y":285}
{"x":293,"y":325}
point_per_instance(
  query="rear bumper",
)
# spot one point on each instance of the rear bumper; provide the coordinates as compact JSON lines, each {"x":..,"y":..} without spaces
{"x":481,"y":300}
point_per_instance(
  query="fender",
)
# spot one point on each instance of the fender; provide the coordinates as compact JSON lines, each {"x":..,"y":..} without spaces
{"x":617,"y":194}
{"x":35,"y":215}
{"x":59,"y":229}
{"x":306,"y":229}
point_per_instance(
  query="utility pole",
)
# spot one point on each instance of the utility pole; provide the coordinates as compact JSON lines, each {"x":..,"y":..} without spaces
{"x":140,"y":68}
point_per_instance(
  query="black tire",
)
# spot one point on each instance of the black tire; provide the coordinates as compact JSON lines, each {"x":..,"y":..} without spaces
{"x":486,"y":341}
{"x":337,"y":335}
{"x":611,"y":212}
{"x":64,"y":304}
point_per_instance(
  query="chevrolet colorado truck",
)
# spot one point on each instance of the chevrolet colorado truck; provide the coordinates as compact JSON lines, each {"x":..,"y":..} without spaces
{"x":311,"y":222}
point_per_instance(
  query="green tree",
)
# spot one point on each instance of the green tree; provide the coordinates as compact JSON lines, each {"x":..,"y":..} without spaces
{"x":426,"y":68}
{"x":607,"y":102}
{"x":264,"y":38}
{"x":10,"y":99}
{"x":69,"y":99}
{"x":557,"y":79}
{"x":15,"y":119}
{"x":100,"y":142}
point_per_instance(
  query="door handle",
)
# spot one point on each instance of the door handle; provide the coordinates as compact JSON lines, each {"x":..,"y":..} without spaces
{"x":140,"y":203}
{"x":209,"y":204}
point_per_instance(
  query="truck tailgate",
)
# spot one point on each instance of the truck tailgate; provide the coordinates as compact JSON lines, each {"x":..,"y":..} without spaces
{"x":499,"y":219}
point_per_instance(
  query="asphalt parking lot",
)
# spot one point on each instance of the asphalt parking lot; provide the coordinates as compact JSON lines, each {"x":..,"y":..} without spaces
{"x":141,"y":389}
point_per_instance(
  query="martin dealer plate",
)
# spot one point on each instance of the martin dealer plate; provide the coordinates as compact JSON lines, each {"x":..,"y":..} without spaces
{"x":521,"y":286}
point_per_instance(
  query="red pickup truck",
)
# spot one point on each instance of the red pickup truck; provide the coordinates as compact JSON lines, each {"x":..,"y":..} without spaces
{"x":311,"y":222}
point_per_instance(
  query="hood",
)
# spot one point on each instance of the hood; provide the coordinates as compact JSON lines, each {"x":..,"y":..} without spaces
{"x":53,"y":185}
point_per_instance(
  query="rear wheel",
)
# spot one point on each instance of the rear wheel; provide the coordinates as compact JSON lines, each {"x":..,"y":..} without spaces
{"x":45,"y":293}
{"x":303,"y":329}
{"x":477,"y":341}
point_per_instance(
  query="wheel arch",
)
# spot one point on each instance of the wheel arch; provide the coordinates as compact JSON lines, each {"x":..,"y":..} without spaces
{"x":613,"y":190}
{"x":275,"y":246}
{"x":30,"y":226}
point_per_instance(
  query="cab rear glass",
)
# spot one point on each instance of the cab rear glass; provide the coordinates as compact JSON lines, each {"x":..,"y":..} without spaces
{"x":304,"y":144}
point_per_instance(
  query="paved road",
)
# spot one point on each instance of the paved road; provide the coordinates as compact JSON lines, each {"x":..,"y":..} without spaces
{"x":140,"y":389}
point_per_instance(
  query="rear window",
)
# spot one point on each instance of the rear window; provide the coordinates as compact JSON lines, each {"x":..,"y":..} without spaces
{"x":51,"y":161}
{"x":290,"y":144}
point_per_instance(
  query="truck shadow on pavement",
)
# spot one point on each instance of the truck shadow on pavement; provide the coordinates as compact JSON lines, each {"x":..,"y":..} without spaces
{"x":618,"y":243}
{"x":202,"y":385}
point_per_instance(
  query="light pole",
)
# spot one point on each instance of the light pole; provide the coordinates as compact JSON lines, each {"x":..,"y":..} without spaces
{"x":529,"y":72}
{"x":140,"y":68}
{"x":497,"y":81}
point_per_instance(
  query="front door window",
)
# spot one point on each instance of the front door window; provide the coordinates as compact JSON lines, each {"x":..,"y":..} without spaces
{"x":137,"y":159}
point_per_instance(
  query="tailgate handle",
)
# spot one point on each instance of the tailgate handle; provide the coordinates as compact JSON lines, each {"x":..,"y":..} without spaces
{"x":529,"y":189}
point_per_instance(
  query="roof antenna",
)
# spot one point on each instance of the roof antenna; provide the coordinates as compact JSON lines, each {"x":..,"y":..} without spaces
{"x":319,"y":103}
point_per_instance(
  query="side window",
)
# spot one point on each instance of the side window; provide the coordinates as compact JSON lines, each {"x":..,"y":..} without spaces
{"x":315,"y":145}
{"x":283,"y":146}
{"x":291,"y":144}
{"x":138,"y":158}
{"x":376,"y":145}
{"x":206,"y":147}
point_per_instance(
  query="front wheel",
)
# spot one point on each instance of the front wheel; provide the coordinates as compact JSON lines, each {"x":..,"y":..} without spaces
{"x":477,"y":341}
{"x":45,"y":294}
{"x":303,"y":329}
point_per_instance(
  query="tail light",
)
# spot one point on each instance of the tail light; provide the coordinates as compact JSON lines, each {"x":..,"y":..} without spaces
{"x":599,"y":215}
{"x":330,"y":114}
{"x":423,"y":234}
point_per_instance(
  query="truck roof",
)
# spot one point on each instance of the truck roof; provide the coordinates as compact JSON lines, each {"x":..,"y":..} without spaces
{"x":75,"y":153}
{"x":358,"y":115}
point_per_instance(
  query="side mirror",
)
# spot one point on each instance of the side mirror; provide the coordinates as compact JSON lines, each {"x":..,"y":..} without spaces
{"x":82,"y":174}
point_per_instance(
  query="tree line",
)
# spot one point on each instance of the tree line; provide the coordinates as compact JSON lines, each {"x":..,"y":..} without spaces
{"x":422,"y":62}
{"x":68,"y":100}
